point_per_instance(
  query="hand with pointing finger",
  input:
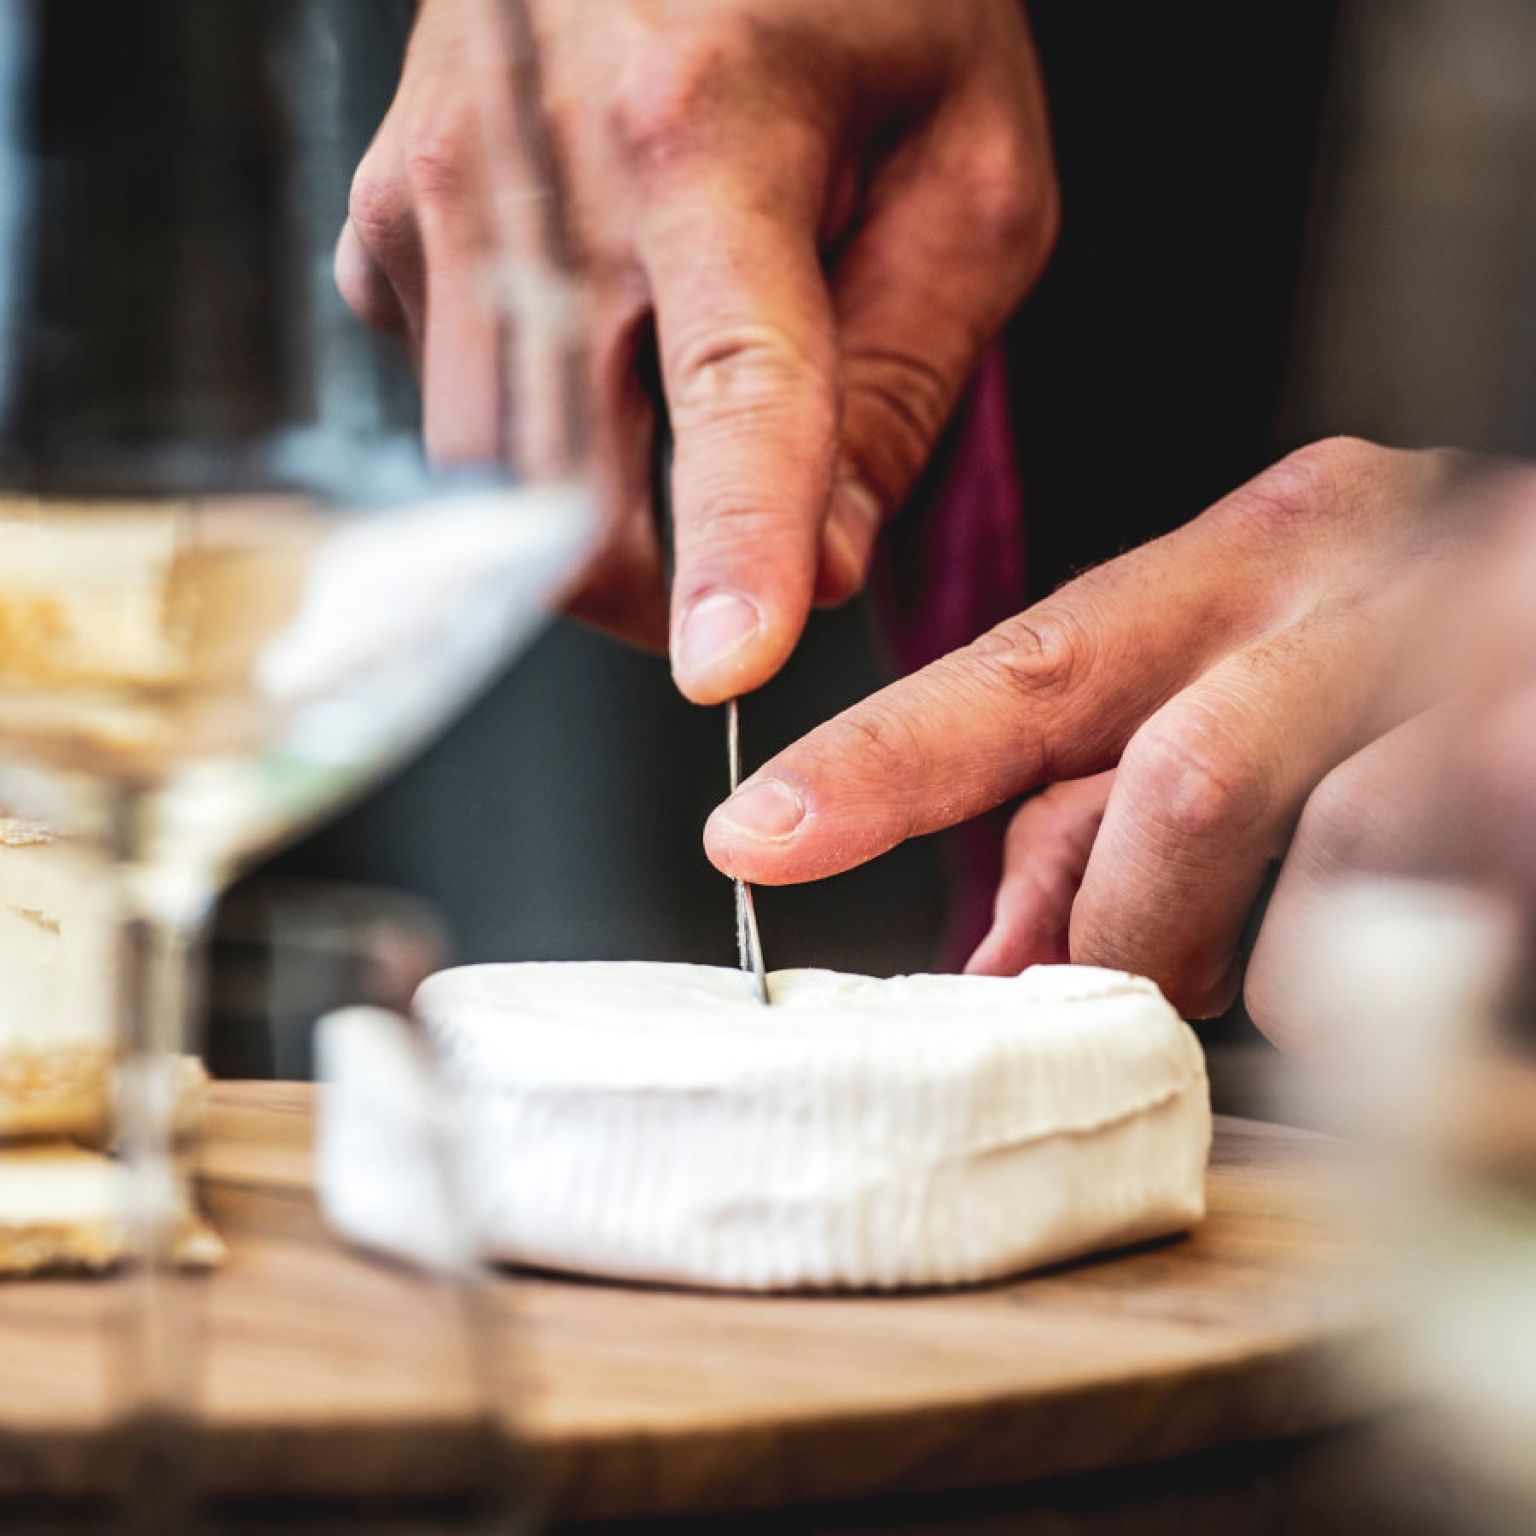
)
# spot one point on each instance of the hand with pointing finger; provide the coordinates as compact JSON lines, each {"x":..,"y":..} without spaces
{"x":1191,"y":701}
{"x":825,"y":208}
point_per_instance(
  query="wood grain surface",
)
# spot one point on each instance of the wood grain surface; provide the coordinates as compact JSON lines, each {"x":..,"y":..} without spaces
{"x":326,"y":1372}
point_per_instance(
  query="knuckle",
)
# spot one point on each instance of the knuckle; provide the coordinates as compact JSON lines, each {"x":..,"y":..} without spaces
{"x":1014,"y":201}
{"x":1317,"y":483}
{"x":727,"y":519}
{"x":895,"y":405}
{"x":1041,"y":655}
{"x":880,"y":744}
{"x":377,"y":206}
{"x":1343,"y":825}
{"x":1050,"y":820}
{"x":1323,"y":466}
{"x":1195,"y":785}
{"x":742,"y":374}
{"x":667,"y":94}
{"x":437,"y":164}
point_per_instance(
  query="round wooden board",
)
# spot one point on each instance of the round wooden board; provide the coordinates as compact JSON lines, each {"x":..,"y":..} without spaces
{"x":318,"y":1372}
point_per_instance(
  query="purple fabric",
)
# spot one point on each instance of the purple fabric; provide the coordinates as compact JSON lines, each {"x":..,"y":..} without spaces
{"x":961,"y":568}
{"x":953,"y":566}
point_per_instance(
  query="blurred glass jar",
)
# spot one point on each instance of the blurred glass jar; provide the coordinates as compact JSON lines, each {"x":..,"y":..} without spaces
{"x":1431,"y":1075}
{"x":235,"y":591}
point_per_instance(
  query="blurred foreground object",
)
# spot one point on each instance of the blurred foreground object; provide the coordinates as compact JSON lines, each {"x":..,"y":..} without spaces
{"x":1411,"y":982}
{"x":237,"y":589}
{"x":1421,"y":306}
{"x":1399,"y":953}
{"x":64,"y":1202}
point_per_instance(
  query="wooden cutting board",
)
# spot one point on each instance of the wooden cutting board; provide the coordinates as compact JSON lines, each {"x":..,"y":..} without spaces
{"x":318,"y":1370}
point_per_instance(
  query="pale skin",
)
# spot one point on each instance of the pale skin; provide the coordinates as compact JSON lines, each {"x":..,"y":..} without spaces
{"x":826,"y":207}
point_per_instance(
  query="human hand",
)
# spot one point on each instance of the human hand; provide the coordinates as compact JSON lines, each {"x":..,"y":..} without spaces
{"x":828,"y":207}
{"x":1223,"y":673}
{"x":1448,"y":796}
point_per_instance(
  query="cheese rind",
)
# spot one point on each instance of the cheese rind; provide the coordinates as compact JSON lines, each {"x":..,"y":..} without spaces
{"x":653,"y":1122}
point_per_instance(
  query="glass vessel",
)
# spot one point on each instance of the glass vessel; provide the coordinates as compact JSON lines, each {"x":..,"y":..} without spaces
{"x":234,"y":590}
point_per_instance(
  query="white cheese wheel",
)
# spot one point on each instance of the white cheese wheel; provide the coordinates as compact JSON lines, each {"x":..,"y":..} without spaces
{"x":654,"y":1122}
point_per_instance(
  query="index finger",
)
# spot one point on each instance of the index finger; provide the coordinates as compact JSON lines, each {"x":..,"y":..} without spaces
{"x":1052,"y":694}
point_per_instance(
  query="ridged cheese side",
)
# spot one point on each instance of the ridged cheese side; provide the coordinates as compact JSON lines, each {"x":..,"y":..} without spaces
{"x":653,"y":1122}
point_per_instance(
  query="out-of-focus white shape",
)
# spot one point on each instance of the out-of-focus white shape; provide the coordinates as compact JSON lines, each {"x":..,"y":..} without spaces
{"x":381,"y":1147}
{"x":655,"y":1122}
{"x":395,"y":581}
{"x":1409,"y":979}
{"x":1402,"y":979}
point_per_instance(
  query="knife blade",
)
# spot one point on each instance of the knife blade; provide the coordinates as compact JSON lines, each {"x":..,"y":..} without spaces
{"x":749,"y":944}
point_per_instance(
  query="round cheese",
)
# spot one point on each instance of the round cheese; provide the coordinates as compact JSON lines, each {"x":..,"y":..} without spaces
{"x":654,"y":1122}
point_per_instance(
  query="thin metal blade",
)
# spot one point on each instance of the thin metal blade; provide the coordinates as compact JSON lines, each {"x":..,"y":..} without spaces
{"x":749,"y":946}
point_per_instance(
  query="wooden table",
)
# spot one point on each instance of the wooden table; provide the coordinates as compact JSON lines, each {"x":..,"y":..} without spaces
{"x":648,"y":1402}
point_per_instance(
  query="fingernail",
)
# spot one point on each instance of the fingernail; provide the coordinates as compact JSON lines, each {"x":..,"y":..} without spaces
{"x":766,"y":808}
{"x":716,"y":626}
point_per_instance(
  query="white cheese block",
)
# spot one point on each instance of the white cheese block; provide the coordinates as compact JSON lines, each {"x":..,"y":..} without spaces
{"x":653,"y":1122}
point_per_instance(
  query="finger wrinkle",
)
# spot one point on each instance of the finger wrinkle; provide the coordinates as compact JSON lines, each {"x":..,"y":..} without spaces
{"x":756,"y":370}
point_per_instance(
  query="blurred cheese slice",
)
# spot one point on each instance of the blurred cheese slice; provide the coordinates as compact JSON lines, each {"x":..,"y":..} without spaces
{"x":61,"y":1203}
{"x":61,"y":1208}
{"x":56,"y":973}
{"x":55,"y":968}
{"x":653,"y":1122}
